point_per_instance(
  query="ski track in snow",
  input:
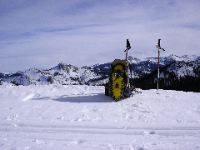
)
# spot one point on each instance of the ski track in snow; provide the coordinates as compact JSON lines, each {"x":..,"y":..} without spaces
{"x":81,"y":117}
{"x":83,"y":136}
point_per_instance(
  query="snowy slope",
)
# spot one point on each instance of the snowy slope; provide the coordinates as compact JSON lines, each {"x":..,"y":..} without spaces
{"x":80,"y":117}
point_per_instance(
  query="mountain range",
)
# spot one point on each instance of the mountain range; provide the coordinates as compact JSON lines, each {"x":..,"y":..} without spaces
{"x":175,"y":72}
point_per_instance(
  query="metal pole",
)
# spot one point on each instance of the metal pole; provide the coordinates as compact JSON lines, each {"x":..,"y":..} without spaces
{"x":159,"y":48}
{"x":158,"y":76}
{"x":126,"y":55}
{"x":128,"y":46}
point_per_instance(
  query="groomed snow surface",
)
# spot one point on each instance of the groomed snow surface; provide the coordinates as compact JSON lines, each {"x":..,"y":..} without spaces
{"x":60,"y":117}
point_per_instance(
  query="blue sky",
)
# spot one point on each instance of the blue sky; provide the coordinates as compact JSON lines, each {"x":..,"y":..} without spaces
{"x":42,"y":33}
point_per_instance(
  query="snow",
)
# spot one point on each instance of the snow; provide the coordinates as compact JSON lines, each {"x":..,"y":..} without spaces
{"x":87,"y":75}
{"x":182,"y":70}
{"x":185,"y":58}
{"x":81,"y":117}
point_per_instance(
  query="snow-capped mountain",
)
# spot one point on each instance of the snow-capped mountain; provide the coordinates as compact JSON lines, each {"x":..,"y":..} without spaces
{"x":60,"y":74}
{"x":178,"y":73}
{"x":180,"y":65}
{"x":176,"y":67}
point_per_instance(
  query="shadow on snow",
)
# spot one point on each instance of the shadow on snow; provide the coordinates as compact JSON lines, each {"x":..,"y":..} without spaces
{"x":95,"y":98}
{"x":84,"y":98}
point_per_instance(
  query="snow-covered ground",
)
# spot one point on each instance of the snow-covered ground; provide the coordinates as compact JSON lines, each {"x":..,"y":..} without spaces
{"x":82,"y":118}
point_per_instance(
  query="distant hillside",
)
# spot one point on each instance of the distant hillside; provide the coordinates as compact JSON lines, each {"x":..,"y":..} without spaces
{"x":177,"y":72}
{"x":177,"y":75}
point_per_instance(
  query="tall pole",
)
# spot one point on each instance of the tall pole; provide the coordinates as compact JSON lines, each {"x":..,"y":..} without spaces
{"x":158,"y":75}
{"x":131,"y":62}
{"x":126,"y":58}
{"x":128,"y":47}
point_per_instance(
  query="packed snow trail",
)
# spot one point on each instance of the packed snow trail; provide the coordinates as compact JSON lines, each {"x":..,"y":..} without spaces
{"x":81,"y":117}
{"x":100,"y":138}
